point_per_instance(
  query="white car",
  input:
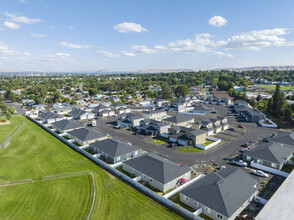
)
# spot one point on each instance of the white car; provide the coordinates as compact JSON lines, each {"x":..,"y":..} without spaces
{"x":240,"y":163}
{"x":260,"y":173}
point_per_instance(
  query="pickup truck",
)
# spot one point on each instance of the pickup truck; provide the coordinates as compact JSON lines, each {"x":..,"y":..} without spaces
{"x":240,"y":163}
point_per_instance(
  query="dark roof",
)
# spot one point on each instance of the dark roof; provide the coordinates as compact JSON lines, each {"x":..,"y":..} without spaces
{"x":86,"y":134}
{"x":114,"y":147}
{"x":158,"y":168}
{"x":197,"y":132}
{"x":67,"y":124}
{"x":154,"y":112}
{"x":179,"y":118}
{"x":117,"y":104}
{"x":201,"y":108}
{"x":49,"y":115}
{"x":77,"y":112}
{"x":224,"y":192}
{"x":284,"y":138}
{"x":271,"y":151}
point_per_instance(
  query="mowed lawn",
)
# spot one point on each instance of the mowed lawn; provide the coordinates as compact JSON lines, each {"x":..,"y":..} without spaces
{"x":47,"y":199}
{"x":273,"y":87}
{"x":33,"y":153}
{"x":6,"y":130}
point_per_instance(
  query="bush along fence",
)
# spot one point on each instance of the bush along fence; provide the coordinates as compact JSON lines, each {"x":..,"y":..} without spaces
{"x":7,"y":140}
{"x":159,"y":199}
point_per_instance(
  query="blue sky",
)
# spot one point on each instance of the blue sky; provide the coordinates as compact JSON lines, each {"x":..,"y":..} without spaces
{"x":129,"y":35}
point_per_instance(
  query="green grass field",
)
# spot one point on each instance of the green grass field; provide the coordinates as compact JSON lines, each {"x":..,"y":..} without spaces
{"x":190,"y":150}
{"x":33,"y":153}
{"x":6,"y":130}
{"x":273,"y":87}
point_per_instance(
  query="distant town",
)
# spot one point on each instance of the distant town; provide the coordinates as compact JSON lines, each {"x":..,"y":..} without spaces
{"x":204,"y":144}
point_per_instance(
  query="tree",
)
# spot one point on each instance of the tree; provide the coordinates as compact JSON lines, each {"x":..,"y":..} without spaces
{"x":11,"y":110}
{"x":269,"y":106}
{"x":182,"y":91}
{"x":8,"y":116}
{"x":278,"y":102}
{"x":288,"y":114}
{"x":166,"y":93}
{"x":9,"y":95}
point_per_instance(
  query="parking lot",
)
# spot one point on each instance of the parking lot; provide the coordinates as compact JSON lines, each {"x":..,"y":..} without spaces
{"x":202,"y":162}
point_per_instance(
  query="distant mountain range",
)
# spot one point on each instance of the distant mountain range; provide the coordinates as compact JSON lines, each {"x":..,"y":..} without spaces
{"x":259,"y":68}
{"x":105,"y":71}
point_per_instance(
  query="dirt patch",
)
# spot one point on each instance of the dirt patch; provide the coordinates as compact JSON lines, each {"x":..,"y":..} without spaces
{"x":5,"y":123}
{"x":111,"y":176}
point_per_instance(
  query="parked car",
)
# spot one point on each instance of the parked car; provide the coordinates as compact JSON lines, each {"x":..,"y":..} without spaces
{"x":246,"y":149}
{"x":241,"y":119}
{"x":265,"y":140}
{"x":241,"y":126}
{"x":172,"y":144}
{"x":247,"y":144}
{"x":232,"y":129}
{"x":240,"y":163}
{"x":117,"y":127}
{"x":260,"y":173}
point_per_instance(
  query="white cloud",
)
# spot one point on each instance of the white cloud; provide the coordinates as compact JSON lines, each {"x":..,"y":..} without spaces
{"x":27,"y":53}
{"x":38,"y":35}
{"x":70,"y":28}
{"x":217,"y":21}
{"x":4,"y":48}
{"x":74,"y":46}
{"x":107,"y":54}
{"x":128,"y":27}
{"x":63,"y":54}
{"x":256,"y":40}
{"x":129,"y":54}
{"x":21,"y":19}
{"x":160,"y":47}
{"x":142,"y":49}
{"x":11,"y":25}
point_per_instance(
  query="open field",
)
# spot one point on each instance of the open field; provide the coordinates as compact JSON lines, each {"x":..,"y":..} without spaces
{"x":273,"y":87}
{"x":53,"y":197}
{"x":34,"y":153}
{"x":6,"y":130}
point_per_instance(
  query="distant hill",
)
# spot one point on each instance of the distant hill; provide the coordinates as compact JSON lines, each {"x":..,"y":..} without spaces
{"x":259,"y":68}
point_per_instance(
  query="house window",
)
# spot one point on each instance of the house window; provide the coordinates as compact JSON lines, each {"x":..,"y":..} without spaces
{"x":219,"y":216}
{"x":248,"y":158}
{"x":132,"y":169}
{"x":137,"y":172}
{"x":259,"y":161}
{"x":274,"y":165}
{"x":207,"y":209}
{"x":150,"y":180}
{"x":196,"y":203}
{"x":118,"y":158}
{"x":187,"y":198}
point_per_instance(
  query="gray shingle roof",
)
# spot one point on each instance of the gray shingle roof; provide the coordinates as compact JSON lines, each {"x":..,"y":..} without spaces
{"x":271,"y":151}
{"x":67,"y":124}
{"x":179,"y":118}
{"x":201,"y":108}
{"x":114,"y":147}
{"x":77,"y":112}
{"x":158,"y":168}
{"x":284,"y":138}
{"x":49,"y":115}
{"x":86,"y":134}
{"x":224,"y":192}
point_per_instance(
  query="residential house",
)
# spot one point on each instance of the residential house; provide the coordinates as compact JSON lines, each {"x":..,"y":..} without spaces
{"x":84,"y":136}
{"x":154,"y":115}
{"x":114,"y":150}
{"x":154,"y":128}
{"x":205,"y":125}
{"x":221,"y":195}
{"x":81,"y":114}
{"x":201,"y":110}
{"x":284,"y":137}
{"x":129,"y":120}
{"x":103,"y":111}
{"x":49,"y":117}
{"x":186,"y":136}
{"x":180,"y":120}
{"x":270,"y":154}
{"x":65,"y":126}
{"x":161,"y":102}
{"x":242,"y":103}
{"x":156,"y":171}
{"x":62,"y":110}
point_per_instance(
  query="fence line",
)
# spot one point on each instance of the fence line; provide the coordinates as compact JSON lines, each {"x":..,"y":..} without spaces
{"x":7,"y":140}
{"x":159,"y":199}
{"x":16,"y":182}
